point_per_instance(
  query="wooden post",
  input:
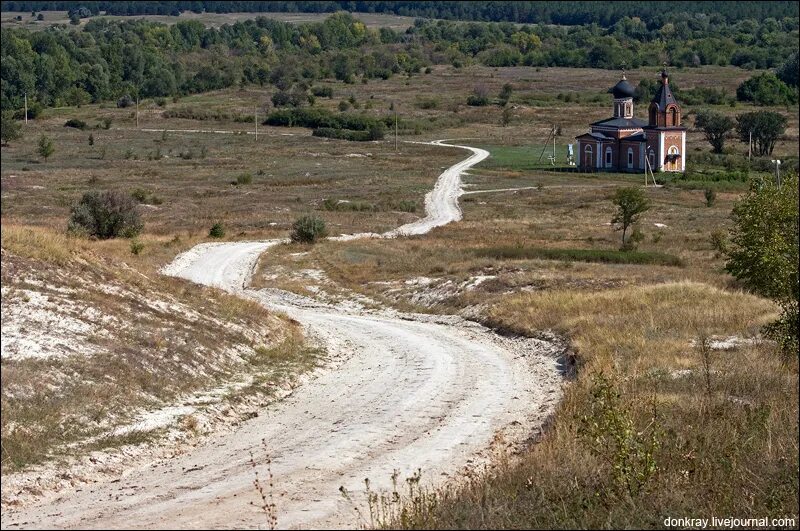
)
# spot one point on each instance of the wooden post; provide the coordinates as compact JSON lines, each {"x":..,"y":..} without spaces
{"x":255,"y":119}
{"x":137,"y":112}
{"x":750,"y":146}
{"x":395,"y":129}
{"x":26,"y":108}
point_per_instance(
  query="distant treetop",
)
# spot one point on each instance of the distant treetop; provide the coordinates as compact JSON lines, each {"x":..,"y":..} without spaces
{"x":564,"y":13}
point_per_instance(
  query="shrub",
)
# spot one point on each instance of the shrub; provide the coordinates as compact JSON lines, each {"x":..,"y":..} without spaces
{"x":11,"y":130}
{"x":308,"y":229}
{"x":711,"y":197}
{"x":428,"y":103}
{"x":342,"y":134}
{"x":77,"y":124}
{"x":45,"y":148}
{"x":140,"y":194}
{"x":105,"y":215}
{"x":719,"y":242}
{"x":217,"y":230}
{"x":136,"y":246}
{"x":766,"y":89}
{"x":477,"y":101}
{"x":125,"y":101}
{"x":106,"y":123}
{"x":244,"y":178}
{"x":322,"y":92}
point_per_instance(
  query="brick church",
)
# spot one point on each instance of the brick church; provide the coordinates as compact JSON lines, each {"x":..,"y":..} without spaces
{"x":623,"y":143}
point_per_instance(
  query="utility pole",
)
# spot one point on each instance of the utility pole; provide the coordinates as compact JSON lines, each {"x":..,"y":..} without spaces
{"x":777,"y":163}
{"x":137,"y":112}
{"x":395,"y":129}
{"x":255,"y":120}
{"x":554,"y":144}
{"x":26,"y":108}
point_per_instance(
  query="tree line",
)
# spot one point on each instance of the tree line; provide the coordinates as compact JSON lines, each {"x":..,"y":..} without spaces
{"x":108,"y":59}
{"x":606,"y":14}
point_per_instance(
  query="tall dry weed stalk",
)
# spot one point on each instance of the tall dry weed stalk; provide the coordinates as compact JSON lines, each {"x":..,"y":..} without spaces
{"x":266,"y":494}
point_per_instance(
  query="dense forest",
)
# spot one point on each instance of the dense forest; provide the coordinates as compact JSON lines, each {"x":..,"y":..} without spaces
{"x":105,"y":59}
{"x":605,"y":14}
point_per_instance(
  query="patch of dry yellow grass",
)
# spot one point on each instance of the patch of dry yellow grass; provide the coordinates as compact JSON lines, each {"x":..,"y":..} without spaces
{"x":726,"y":438}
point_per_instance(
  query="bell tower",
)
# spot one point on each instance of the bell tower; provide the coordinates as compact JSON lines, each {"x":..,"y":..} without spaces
{"x":666,"y":137}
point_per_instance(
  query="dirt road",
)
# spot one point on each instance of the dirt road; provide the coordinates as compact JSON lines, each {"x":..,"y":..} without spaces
{"x":409,"y":392}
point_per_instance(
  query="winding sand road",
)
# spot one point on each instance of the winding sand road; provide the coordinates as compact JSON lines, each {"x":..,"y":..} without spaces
{"x":410,"y":392}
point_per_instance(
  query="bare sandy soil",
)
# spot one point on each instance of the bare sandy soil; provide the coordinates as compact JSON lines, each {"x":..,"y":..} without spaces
{"x":406,"y":392}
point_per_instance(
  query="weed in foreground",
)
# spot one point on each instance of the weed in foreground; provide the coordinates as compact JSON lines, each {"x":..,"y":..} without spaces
{"x":267,"y":500}
{"x":390,"y":510}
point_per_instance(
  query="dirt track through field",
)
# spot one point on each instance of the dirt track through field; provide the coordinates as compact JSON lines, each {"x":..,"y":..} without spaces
{"x":407,"y":392}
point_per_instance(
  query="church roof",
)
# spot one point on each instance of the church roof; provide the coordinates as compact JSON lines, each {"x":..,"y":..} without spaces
{"x":636,"y":137}
{"x":623,"y":89}
{"x":622,"y":123}
{"x":664,"y":95}
{"x":596,"y":136}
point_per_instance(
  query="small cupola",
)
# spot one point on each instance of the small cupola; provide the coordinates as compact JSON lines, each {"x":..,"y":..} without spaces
{"x":623,"y":93}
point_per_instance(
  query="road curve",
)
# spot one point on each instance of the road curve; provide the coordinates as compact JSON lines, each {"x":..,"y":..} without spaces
{"x":412,"y":393}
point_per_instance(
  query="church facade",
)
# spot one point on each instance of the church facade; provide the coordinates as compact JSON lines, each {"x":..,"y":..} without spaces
{"x":625,"y":144}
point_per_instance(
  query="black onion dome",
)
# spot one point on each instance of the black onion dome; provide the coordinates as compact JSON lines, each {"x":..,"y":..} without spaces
{"x":623,"y":89}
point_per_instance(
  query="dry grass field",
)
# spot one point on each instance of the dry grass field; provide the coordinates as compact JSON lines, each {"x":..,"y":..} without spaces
{"x":690,"y":421}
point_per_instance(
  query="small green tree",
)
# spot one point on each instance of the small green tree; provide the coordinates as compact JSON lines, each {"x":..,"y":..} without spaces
{"x":308,"y":229}
{"x":763,"y":251}
{"x":45,"y":147}
{"x":9,"y":128}
{"x":631,"y":203}
{"x":766,"y":127}
{"x":715,"y":126}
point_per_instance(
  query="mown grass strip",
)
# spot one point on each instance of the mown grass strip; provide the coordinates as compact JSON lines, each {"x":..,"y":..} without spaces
{"x":607,"y":256}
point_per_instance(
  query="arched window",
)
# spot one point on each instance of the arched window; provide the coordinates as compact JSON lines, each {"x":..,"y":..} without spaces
{"x":653,"y":111}
{"x":587,"y":158}
{"x":674,"y":116}
{"x":630,"y":157}
{"x":608,"y":157}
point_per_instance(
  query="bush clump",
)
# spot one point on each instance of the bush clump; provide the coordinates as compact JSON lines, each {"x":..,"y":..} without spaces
{"x":308,"y":229}
{"x":125,"y":101}
{"x":217,"y":230}
{"x":77,"y":124}
{"x":342,"y":134}
{"x":106,"y":214}
{"x":244,"y":178}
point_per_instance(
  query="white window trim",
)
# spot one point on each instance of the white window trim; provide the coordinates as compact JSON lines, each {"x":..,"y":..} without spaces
{"x":630,"y":157}
{"x":609,"y":155}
